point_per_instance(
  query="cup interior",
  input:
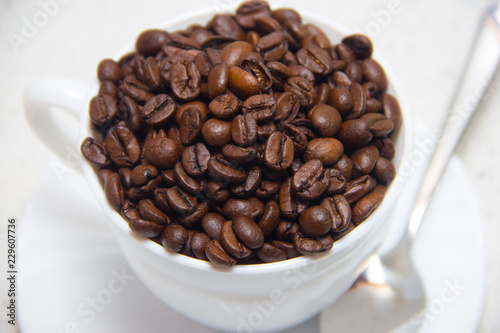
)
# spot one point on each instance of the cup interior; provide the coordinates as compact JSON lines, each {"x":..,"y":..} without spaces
{"x":403,"y":142}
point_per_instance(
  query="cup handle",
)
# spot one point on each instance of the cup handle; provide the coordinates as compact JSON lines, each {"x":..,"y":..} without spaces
{"x":65,"y":94}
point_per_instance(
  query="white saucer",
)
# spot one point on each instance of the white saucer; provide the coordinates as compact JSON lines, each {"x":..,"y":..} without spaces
{"x":73,"y":278}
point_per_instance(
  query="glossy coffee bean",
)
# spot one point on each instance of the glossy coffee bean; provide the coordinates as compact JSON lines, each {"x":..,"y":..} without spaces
{"x":340,"y":212}
{"x":158,"y":110}
{"x":250,"y":207}
{"x":102,"y":110}
{"x":358,"y":188}
{"x":290,"y":206}
{"x":287,"y":107}
{"x":150,"y":212}
{"x":239,"y":155}
{"x":129,"y":111}
{"x":384,"y":171}
{"x":327,"y":150}
{"x":122,"y":146}
{"x":359,"y":100}
{"x":217,"y":255}
{"x":365,"y":206}
{"x":355,"y":133}
{"x":244,"y":129}
{"x":259,"y":70}
{"x":380,"y":125}
{"x":337,"y":182}
{"x":360,"y":45}
{"x":392,"y":110}
{"x":216,"y":132}
{"x":190,"y":126}
{"x":248,"y":232}
{"x":193,"y":220}
{"x":310,"y":180}
{"x":270,"y":218}
{"x":267,"y":189}
{"x":195,"y":159}
{"x":315,"y":59}
{"x":223,"y":171}
{"x":270,"y":253}
{"x":288,"y":248}
{"x":137,"y":90}
{"x":150,"y":42}
{"x":242,"y":83}
{"x":372,"y":71}
{"x":161,"y":152}
{"x":109,"y":70}
{"x":365,"y":159}
{"x":250,"y":185}
{"x":279,"y":151}
{"x":180,"y":201}
{"x":232,"y":53}
{"x":225,"y":106}
{"x":113,"y":190}
{"x":185,"y":80}
{"x":325,"y":119}
{"x":226,"y":26}
{"x":174,"y":237}
{"x":309,"y":246}
{"x":231,"y":243}
{"x":273,"y":46}
{"x":95,"y":153}
{"x":302,"y":89}
{"x":212,"y":225}
{"x":315,"y":221}
{"x":217,"y":80}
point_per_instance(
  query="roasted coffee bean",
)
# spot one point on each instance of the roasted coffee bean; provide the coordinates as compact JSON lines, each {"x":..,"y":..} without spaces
{"x":310,"y":181}
{"x":345,"y":165}
{"x":249,"y":11}
{"x":285,"y":14}
{"x":249,"y":232}
{"x":322,"y":94}
{"x":95,"y":153}
{"x":261,"y":107}
{"x":310,"y":246}
{"x":383,"y":171}
{"x":216,"y":132}
{"x":373,"y":105}
{"x":180,"y":42}
{"x":145,"y":228}
{"x":340,"y":97}
{"x":360,"y":45}
{"x":103,"y":110}
{"x":225,"y":106}
{"x":102,"y":175}
{"x":161,"y":152}
{"x":195,"y":159}
{"x":212,"y":225}
{"x":290,"y":250}
{"x":365,"y":206}
{"x":339,"y":210}
{"x":194,"y":219}
{"x":108,"y":88}
{"x":137,"y":90}
{"x":242,"y":83}
{"x":295,"y":33}
{"x":174,"y":237}
{"x":266,"y":25}
{"x":250,"y":207}
{"x":180,"y":201}
{"x":273,"y":46}
{"x":223,"y":171}
{"x":232,"y":53}
{"x":217,"y":255}
{"x":279,"y":74}
{"x":109,"y":70}
{"x":302,"y":89}
{"x":278,"y":154}
{"x":141,"y":191}
{"x":114,"y":192}
{"x":392,"y":110}
{"x":231,"y":243}
{"x":325,"y":119}
{"x":150,"y":42}
{"x":198,"y":244}
{"x":364,"y":159}
{"x":237,"y":154}
{"x":158,"y":110}
{"x":386,"y":148}
{"x":380,"y":125}
{"x":226,"y":26}
{"x":298,"y":137}
{"x":244,"y":129}
{"x":151,"y":71}
{"x":345,"y":53}
{"x":195,"y":105}
{"x":355,"y":133}
{"x":358,"y":188}
{"x":341,"y":79}
{"x":270,"y":253}
{"x":267,"y":189}
{"x":337,"y":183}
{"x":286,"y":230}
{"x":302,"y":71}
{"x":315,"y":59}
{"x":250,"y":185}
{"x":185,"y":80}
{"x":216,"y":192}
{"x":258,"y":69}
{"x":315,"y":221}
{"x":129,"y":111}
{"x":354,"y":72}
{"x":142,"y":174}
{"x":327,"y":150}
{"x":359,"y":99}
{"x":372,"y":71}
{"x":218,"y":79}
{"x":290,"y":206}
{"x":190,"y":126}
{"x":270,"y":218}
{"x":188,"y":184}
{"x":122,"y":145}
{"x":150,"y":212}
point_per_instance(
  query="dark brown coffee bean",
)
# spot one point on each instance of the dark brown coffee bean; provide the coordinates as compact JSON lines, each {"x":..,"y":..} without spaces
{"x":102,"y":175}
{"x":337,"y":183}
{"x":360,"y":45}
{"x":295,"y":33}
{"x":212,"y":225}
{"x":226,"y":26}
{"x":108,"y":88}
{"x":315,"y":221}
{"x":188,"y":184}
{"x":278,"y":154}
{"x":384,"y":171}
{"x":279,"y":74}
{"x":180,"y":42}
{"x":129,"y":111}
{"x":345,"y":165}
{"x":365,"y":206}
{"x":122,"y":146}
{"x":198,"y":244}
{"x":392,"y":110}
{"x":145,"y":228}
{"x":373,"y":105}
{"x":158,"y":110}
{"x":237,"y":154}
{"x":218,"y":256}
{"x":216,"y":132}
{"x":310,"y":181}
{"x":283,"y":15}
{"x":143,"y":174}
{"x":194,"y":219}
{"x":231,"y":243}
{"x":270,"y":253}
{"x":364,"y":159}
{"x":339,"y":210}
{"x":195,"y":159}
{"x":152,"y":77}
{"x":286,"y":230}
{"x":248,"y":232}
{"x":223,"y":171}
{"x":340,"y":79}
{"x":355,"y":133}
{"x":150,"y":42}
{"x":150,"y":212}
{"x":114,"y":192}
{"x":345,"y":53}
{"x":250,"y":185}
{"x":199,"y":106}
{"x":244,"y":129}
{"x":358,"y":188}
{"x":232,"y":53}
{"x":217,"y":192}
{"x":137,"y":90}
{"x":225,"y":106}
{"x":109,"y":70}
{"x":290,"y":250}
{"x":185,"y":80}
{"x":315,"y":59}
{"x":290,"y":206}
{"x":302,"y":89}
{"x":359,"y":99}
{"x":102,"y":110}
{"x":190,"y":126}
{"x":270,"y":218}
{"x":325,"y":119}
{"x":181,"y":202}
{"x":250,"y":207}
{"x":261,"y":107}
{"x":298,"y":137}
{"x":161,"y":152}
{"x":174,"y":237}
{"x":267,"y":189}
{"x":242,"y":83}
{"x":340,"y":98}
{"x":310,"y":246}
{"x":327,"y":150}
{"x":247,"y":13}
{"x":372,"y":71}
{"x":95,"y":153}
{"x":273,"y":46}
{"x":386,"y":148}
{"x":266,"y":25}
{"x":302,"y":71}
{"x":380,"y":125}
{"x":218,"y":79}
{"x":287,"y":107}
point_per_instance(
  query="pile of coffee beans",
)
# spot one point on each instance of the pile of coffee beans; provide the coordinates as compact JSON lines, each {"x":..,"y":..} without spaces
{"x":252,"y":139}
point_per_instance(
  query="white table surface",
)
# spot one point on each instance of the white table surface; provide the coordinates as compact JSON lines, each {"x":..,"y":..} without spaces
{"x":425,"y":42}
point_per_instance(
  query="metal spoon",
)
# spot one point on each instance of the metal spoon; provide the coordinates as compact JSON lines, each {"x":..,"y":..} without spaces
{"x":389,"y":295}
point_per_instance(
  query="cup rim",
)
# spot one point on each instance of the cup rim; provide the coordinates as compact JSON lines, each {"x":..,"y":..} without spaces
{"x":340,"y":245}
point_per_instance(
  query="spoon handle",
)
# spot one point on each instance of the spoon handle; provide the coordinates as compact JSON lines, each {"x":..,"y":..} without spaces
{"x":474,"y":87}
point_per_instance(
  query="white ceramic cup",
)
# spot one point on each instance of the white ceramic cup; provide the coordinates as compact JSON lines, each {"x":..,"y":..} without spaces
{"x":251,"y":298}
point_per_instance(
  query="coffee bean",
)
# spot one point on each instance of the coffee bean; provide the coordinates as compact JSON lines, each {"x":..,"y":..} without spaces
{"x":216,"y":132}
{"x":190,"y":126}
{"x":188,"y":184}
{"x":158,"y":110}
{"x":302,"y":89}
{"x":103,"y":110}
{"x":380,"y":125}
{"x":242,"y":83}
{"x":339,"y":210}
{"x":217,"y":192}
{"x":122,"y":145}
{"x":174,"y":237}
{"x":284,"y":15}
{"x":365,"y":206}
{"x":340,"y":79}
{"x":288,"y":248}
{"x":270,"y":218}
{"x":113,"y":190}
{"x":261,"y":107}
{"x":250,"y":185}
{"x":345,"y":53}
{"x":217,"y":255}
{"x":161,"y":152}
{"x":129,"y":111}
{"x":372,"y":71}
{"x":212,"y":225}
{"x":272,"y":47}
{"x":355,"y":133}
{"x":392,"y":110}
{"x":250,"y":207}
{"x":185,"y":80}
{"x":364,"y":159}
{"x":225,"y":106}
{"x":237,"y":154}
{"x":295,"y":33}
{"x":150,"y":42}
{"x":315,"y":221}
{"x":270,"y":253}
{"x":244,"y":129}
{"x":360,"y":45}
{"x":145,"y":228}
{"x":286,"y":230}
{"x":231,"y":243}
{"x":384,"y":171}
{"x":248,"y":232}
{"x":218,"y":79}
{"x":194,"y":219}
{"x":267,"y":189}
{"x":152,"y":77}
{"x":325,"y":119}
{"x":316,"y":59}
{"x":310,"y":181}
{"x":150,"y":212}
{"x":290,"y":206}
{"x":258,"y":69}
{"x":198,"y":244}
{"x":310,"y":246}
{"x":337,"y":183}
{"x":223,"y":171}
{"x":340,"y":97}
{"x":358,"y":100}
{"x":137,"y":90}
{"x":278,"y":154}
{"x":386,"y":148}
{"x":358,"y":188}
{"x":226,"y":26}
{"x":195,"y":159}
{"x":279,"y":74}
{"x":95,"y":153}
{"x":180,"y":201}
{"x":109,"y":70}
{"x":298,"y":137}
{"x":232,"y":53}
{"x":327,"y":150}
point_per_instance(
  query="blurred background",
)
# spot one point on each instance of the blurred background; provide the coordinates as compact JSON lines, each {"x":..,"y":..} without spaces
{"x":426,"y":42}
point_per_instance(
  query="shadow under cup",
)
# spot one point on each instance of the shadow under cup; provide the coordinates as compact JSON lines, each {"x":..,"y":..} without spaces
{"x":260,"y":297}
